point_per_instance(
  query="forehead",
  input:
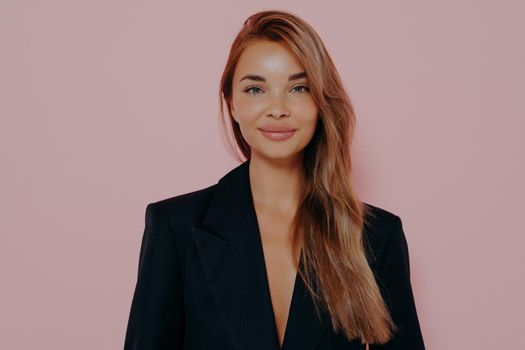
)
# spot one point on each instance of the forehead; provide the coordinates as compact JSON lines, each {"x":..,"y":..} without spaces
{"x":267,"y":58}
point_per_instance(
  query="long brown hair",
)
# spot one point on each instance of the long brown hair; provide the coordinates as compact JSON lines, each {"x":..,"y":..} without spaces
{"x":328,"y":225}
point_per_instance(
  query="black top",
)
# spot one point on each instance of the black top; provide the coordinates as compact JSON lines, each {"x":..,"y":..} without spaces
{"x":202,"y":282}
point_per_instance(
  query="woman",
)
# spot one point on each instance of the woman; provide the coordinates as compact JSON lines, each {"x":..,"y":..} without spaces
{"x":280,"y":253}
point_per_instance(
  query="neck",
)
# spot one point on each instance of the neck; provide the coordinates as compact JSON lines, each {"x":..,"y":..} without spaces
{"x":276,"y":183}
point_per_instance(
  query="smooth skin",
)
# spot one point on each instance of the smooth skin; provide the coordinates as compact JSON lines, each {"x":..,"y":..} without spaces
{"x":275,"y":166}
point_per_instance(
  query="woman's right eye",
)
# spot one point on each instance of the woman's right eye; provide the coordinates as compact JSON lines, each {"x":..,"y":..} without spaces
{"x":251,"y":89}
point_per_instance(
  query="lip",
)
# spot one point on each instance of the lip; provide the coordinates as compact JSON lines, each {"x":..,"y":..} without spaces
{"x":277,"y":129}
{"x":277,"y":133}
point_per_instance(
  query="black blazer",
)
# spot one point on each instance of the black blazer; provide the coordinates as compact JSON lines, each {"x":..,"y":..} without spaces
{"x":202,"y":283}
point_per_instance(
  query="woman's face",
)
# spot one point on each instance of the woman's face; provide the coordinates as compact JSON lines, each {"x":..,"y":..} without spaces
{"x":270,"y":92}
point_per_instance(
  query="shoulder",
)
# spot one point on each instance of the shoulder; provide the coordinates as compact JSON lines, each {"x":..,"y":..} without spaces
{"x":184,"y":209}
{"x":379,"y":221}
{"x":381,"y":227}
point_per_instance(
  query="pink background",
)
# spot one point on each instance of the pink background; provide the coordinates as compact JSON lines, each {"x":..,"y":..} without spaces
{"x":108,"y":105}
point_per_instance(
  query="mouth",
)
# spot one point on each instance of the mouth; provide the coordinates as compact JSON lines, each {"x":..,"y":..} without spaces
{"x":277,"y":134}
{"x":276,"y":129}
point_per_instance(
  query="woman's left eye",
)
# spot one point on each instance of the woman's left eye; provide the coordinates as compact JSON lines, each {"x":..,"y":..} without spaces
{"x":302,"y":86}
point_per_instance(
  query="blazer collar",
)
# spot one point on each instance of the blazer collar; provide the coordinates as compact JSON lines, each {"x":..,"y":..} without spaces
{"x":230,"y":248}
{"x":231,"y":202}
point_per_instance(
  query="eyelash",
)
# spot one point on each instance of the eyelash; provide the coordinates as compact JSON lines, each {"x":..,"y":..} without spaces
{"x":256,"y":87}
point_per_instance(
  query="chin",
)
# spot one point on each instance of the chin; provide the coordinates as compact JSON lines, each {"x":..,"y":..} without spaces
{"x":283,"y":154}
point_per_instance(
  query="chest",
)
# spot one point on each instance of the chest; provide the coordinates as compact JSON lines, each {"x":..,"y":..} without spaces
{"x":280,"y":268}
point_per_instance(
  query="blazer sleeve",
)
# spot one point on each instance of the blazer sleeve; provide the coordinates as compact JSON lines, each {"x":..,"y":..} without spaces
{"x":394,"y":281}
{"x":156,"y":317}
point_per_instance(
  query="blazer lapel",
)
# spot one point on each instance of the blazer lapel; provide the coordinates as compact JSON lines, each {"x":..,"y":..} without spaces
{"x":230,"y":248}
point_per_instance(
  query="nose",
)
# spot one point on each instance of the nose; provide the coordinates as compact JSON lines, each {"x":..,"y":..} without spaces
{"x":277,"y":108}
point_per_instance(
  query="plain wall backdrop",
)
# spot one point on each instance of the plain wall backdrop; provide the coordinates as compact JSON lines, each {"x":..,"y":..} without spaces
{"x":107,"y":106}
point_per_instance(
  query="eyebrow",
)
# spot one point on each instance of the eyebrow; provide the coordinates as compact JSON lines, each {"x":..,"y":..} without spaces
{"x":255,"y":77}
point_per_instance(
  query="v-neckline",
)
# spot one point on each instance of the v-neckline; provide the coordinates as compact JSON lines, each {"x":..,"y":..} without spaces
{"x":293,"y":298}
{"x":290,"y":308}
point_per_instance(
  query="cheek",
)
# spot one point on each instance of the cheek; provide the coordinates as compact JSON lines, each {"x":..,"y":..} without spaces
{"x":309,"y":124}
{"x":304,"y":104}
{"x":308,"y":113}
{"x":246,"y":115}
{"x":247,"y":105}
